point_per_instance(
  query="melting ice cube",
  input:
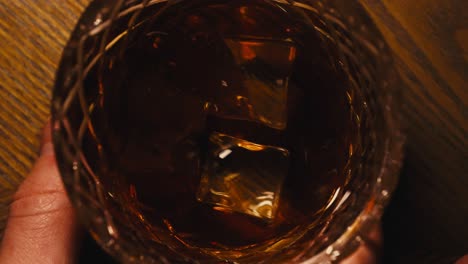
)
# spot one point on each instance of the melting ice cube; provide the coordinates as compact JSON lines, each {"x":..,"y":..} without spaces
{"x":244,"y":177}
{"x":266,"y":65}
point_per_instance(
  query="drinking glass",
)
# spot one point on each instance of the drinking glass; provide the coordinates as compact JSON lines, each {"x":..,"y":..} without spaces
{"x":108,"y":28}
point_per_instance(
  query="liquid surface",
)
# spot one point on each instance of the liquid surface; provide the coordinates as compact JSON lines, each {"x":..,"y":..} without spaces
{"x":226,"y":123}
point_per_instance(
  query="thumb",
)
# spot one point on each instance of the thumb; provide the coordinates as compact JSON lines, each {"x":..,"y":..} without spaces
{"x":41,"y":224}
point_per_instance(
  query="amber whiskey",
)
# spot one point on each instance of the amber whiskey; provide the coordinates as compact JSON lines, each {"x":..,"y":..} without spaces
{"x":224,"y":123}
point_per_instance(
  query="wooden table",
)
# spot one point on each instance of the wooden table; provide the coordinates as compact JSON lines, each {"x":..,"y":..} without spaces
{"x":427,"y":222}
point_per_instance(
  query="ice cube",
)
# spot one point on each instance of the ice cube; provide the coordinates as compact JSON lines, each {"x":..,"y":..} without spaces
{"x":243,"y":177}
{"x":265,"y":65}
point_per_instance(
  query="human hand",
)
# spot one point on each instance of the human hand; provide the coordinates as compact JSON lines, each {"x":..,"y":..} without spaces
{"x":41,"y":227}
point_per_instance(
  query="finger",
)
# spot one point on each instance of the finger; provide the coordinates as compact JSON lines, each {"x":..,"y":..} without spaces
{"x":41,"y":224}
{"x":368,"y":252}
{"x":463,"y":260}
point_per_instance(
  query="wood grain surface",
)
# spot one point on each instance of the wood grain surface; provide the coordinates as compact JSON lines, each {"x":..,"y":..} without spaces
{"x":426,"y":221}
{"x":32,"y":36}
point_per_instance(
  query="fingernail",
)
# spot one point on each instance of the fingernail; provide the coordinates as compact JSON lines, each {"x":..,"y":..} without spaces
{"x":47,"y":149}
{"x":47,"y":132}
